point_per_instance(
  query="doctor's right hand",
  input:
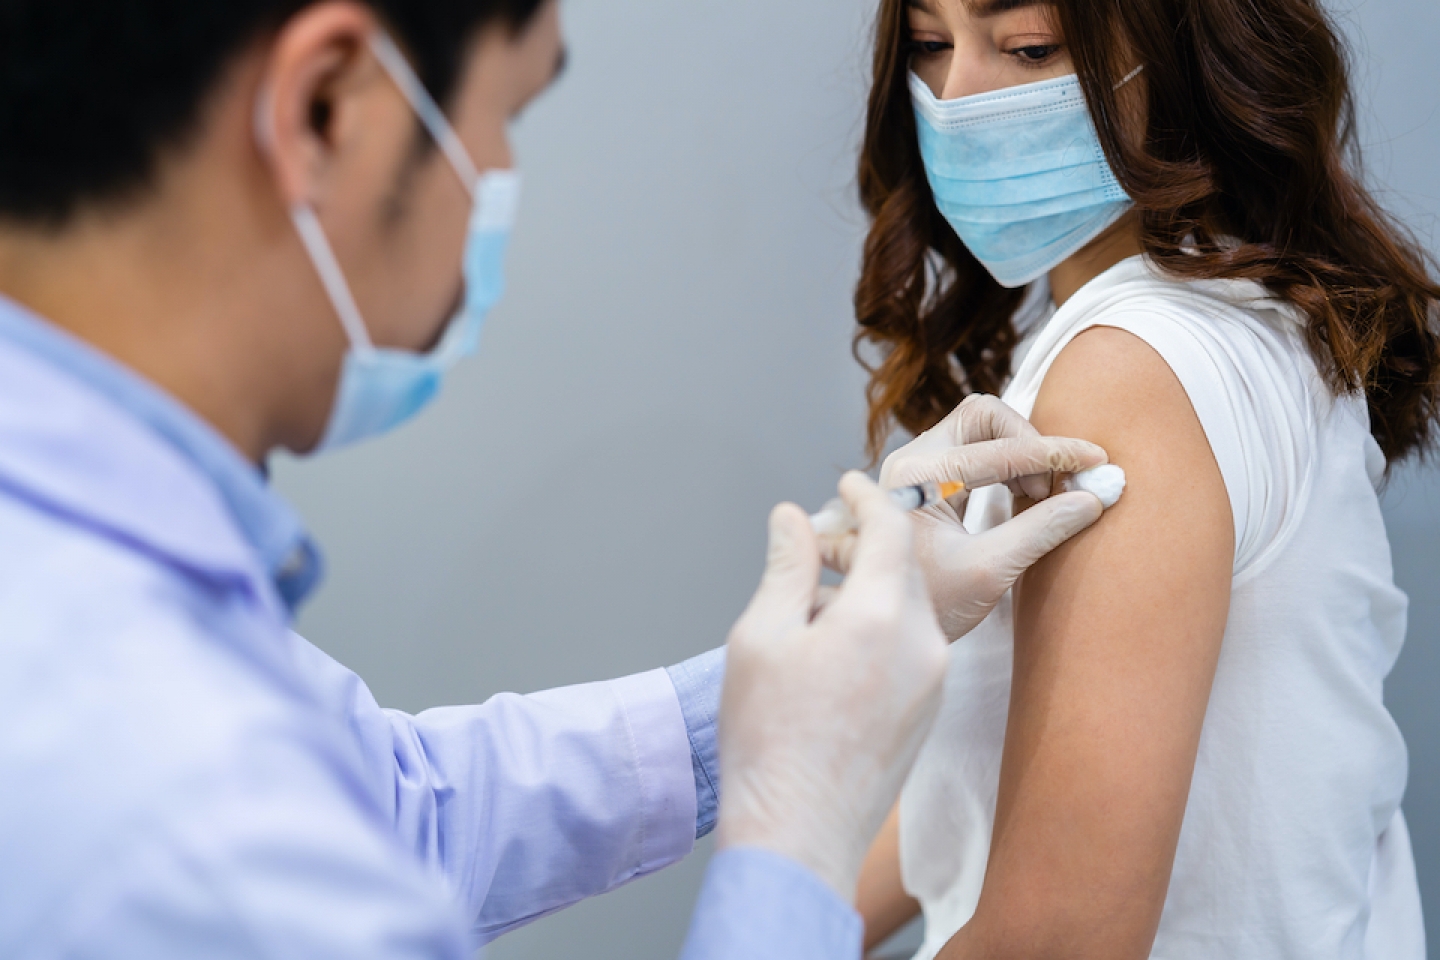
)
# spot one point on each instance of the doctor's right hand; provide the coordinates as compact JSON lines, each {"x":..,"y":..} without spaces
{"x":826,"y":704}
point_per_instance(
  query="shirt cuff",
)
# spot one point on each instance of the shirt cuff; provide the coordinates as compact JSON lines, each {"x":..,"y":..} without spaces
{"x":758,"y":905}
{"x":697,"y":685}
{"x":666,"y":799}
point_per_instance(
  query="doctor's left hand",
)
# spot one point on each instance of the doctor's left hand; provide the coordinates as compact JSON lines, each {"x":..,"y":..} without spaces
{"x":824,"y":710}
{"x":984,"y":442}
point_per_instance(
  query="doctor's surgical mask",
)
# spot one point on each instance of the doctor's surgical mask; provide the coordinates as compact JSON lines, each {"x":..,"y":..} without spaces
{"x":381,"y":388}
{"x":1018,"y":173}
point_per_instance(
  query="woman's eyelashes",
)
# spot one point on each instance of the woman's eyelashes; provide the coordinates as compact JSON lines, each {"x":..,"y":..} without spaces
{"x":1028,"y":56}
{"x":927,"y":48}
{"x":1035,"y":55}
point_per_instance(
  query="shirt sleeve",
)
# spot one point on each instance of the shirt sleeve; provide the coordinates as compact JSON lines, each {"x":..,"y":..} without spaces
{"x":274,"y":858}
{"x":698,"y":682}
{"x":527,"y":804}
{"x":532,"y":803}
{"x":758,"y":905}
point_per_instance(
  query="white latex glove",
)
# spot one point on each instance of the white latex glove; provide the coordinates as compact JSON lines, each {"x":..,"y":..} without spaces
{"x":984,"y":442}
{"x":824,"y":711}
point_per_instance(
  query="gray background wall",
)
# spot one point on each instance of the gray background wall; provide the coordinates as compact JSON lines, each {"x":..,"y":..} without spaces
{"x":589,"y":497}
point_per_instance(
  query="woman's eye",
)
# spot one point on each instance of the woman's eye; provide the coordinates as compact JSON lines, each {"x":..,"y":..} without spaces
{"x":1036,"y":53}
{"x":926,"y":48}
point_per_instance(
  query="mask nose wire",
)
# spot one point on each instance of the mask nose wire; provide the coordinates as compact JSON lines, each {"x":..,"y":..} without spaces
{"x":425,"y":107}
{"x":1128,"y":77}
{"x":920,"y":87}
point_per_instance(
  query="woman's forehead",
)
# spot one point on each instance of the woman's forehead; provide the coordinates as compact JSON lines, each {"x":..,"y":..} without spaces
{"x":979,"y":8}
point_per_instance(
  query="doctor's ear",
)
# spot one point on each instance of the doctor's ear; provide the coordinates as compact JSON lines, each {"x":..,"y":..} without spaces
{"x":323,"y":96}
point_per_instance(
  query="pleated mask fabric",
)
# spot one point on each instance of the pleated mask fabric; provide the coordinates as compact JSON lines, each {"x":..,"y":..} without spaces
{"x":1019,"y":174}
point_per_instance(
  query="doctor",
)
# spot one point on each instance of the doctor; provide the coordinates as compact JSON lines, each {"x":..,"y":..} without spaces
{"x":223,"y":232}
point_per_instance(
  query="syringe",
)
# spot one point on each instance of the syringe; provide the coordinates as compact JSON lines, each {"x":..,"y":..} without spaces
{"x":1106,"y":482}
{"x":835,"y":518}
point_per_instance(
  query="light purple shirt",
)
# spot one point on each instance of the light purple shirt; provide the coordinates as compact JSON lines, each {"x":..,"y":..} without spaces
{"x":184,"y":776}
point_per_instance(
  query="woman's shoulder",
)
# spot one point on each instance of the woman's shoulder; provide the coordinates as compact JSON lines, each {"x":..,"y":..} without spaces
{"x":1239,"y":318}
{"x":1241,"y":359}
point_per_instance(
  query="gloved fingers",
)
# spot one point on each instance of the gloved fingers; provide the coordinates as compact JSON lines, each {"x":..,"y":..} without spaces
{"x":988,"y":462}
{"x":1036,"y":487}
{"x":979,"y":417}
{"x":1007,"y":551}
{"x":823,"y":598}
{"x":787,"y":592}
{"x":982,"y":417}
{"x":837,"y":551}
{"x":884,"y":554}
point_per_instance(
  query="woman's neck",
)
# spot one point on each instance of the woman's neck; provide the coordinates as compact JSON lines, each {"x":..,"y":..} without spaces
{"x":1120,"y":241}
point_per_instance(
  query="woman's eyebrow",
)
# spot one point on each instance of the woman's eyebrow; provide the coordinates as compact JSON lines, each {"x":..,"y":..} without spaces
{"x":992,"y":8}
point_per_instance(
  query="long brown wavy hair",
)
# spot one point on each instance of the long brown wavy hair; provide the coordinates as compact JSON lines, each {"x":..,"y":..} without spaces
{"x":1249,"y":135}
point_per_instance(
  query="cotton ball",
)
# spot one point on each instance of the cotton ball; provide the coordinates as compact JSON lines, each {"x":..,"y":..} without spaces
{"x":1106,"y":482}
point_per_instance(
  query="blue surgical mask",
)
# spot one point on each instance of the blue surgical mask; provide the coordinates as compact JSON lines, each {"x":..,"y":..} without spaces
{"x":1018,"y":173}
{"x":381,"y":388}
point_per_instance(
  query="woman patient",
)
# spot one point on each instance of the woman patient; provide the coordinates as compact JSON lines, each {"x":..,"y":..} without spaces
{"x":1141,"y":220}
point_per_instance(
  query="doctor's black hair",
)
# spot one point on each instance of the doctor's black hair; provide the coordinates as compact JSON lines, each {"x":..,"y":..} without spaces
{"x":92,"y":92}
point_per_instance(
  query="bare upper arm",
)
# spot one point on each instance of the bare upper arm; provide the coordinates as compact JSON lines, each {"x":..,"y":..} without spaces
{"x":1116,"y":641}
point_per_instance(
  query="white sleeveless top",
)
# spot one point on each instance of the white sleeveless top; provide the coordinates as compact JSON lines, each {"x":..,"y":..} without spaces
{"x":1293,"y":845}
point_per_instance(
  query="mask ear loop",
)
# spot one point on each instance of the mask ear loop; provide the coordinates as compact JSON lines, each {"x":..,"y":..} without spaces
{"x":425,"y":107}
{"x":331,"y":276}
{"x":312,"y":236}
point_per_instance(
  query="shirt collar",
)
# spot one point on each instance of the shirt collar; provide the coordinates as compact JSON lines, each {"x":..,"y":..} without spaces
{"x":270,"y":526}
